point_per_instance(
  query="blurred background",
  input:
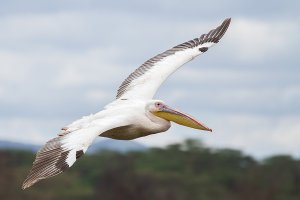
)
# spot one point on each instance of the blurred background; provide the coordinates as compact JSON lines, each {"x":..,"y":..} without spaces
{"x":61,"y":60}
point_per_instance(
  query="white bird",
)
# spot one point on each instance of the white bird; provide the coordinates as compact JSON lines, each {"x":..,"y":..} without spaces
{"x":132,"y":115}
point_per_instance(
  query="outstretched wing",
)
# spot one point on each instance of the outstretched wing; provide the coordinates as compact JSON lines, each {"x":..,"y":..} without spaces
{"x":144,"y":81}
{"x":61,"y":152}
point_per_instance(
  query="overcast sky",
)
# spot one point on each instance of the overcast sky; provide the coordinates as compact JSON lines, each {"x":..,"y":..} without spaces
{"x":61,"y":60}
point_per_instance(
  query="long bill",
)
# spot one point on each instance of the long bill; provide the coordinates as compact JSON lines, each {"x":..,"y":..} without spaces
{"x":180,"y":118}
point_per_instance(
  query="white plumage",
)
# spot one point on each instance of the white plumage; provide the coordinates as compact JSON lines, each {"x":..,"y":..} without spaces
{"x":132,"y":115}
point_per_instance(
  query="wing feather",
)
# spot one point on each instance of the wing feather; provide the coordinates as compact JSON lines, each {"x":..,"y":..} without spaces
{"x":145,"y":80}
{"x":60,"y":153}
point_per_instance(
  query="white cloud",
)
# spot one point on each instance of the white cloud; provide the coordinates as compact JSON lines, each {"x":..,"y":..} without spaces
{"x":48,"y":27}
{"x":48,"y":57}
{"x":231,"y":90}
{"x":36,"y":131}
{"x":13,"y":66}
{"x":205,"y":75}
{"x":292,"y":94}
{"x":96,"y":96}
{"x":255,"y":40}
{"x":93,"y":66}
{"x":256,"y":134}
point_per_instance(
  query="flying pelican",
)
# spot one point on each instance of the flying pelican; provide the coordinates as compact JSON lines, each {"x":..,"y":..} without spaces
{"x":132,"y":115}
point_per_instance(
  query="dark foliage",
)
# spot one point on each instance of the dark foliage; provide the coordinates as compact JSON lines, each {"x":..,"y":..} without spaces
{"x":181,"y":171}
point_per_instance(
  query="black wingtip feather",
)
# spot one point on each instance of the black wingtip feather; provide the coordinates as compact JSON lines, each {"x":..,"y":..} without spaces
{"x":50,"y":161}
{"x":216,"y":34}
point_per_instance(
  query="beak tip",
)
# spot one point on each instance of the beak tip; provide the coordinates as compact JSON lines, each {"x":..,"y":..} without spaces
{"x":210,"y":130}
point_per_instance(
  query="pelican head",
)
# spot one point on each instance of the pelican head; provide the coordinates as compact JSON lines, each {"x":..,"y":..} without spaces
{"x":160,"y":109}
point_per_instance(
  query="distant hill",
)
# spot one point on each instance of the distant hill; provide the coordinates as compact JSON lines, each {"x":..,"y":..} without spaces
{"x":114,"y":145}
{"x":18,"y":146}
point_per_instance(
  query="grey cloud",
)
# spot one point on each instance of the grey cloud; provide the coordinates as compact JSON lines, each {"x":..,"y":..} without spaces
{"x":192,"y":9}
{"x":62,"y":60}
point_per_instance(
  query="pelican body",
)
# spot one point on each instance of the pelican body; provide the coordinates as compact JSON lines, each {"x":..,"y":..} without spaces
{"x":132,"y":115}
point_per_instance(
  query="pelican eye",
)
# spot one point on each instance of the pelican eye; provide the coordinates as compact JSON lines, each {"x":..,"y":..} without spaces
{"x":158,"y":105}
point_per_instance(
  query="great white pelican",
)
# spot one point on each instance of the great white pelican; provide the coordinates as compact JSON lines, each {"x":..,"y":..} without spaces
{"x":131,"y":115}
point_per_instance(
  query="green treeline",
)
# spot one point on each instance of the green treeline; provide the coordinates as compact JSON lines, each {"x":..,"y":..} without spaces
{"x":181,"y":171}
